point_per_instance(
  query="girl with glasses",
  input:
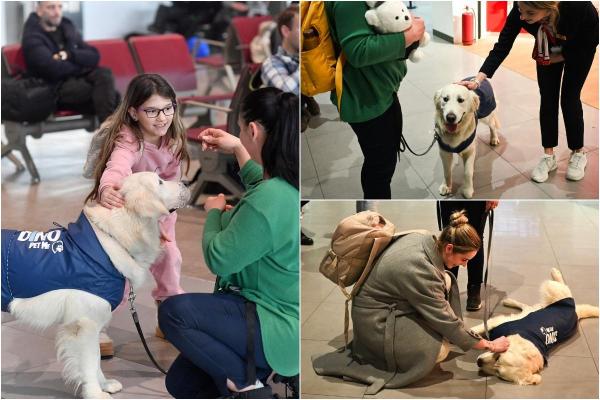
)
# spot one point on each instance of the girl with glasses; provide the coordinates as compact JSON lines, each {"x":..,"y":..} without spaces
{"x":145,"y":133}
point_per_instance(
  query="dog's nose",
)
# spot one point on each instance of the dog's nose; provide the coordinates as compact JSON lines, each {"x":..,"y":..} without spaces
{"x":451,"y":118}
{"x":479,"y":362}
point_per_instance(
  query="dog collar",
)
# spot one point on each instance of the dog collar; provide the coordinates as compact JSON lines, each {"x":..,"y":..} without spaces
{"x":461,"y":147}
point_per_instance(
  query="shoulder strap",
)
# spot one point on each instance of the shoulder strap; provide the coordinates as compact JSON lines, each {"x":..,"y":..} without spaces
{"x":375,"y":251}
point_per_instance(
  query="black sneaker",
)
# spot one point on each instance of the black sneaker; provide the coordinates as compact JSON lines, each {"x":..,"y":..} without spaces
{"x":261,"y":393}
{"x":305,"y":240}
{"x":473,"y":297}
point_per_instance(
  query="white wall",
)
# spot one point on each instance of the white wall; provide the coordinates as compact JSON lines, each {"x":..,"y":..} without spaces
{"x":447,"y":17}
{"x":114,"y":19}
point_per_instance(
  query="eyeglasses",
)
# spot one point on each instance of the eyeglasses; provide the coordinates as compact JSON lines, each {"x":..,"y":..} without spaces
{"x":153,"y":112}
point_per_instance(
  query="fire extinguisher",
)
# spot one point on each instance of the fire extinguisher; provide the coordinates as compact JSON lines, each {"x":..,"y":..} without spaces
{"x":468,"y":17}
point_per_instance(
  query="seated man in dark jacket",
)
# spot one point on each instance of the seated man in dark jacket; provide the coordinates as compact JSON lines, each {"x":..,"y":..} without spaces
{"x":55,"y":52}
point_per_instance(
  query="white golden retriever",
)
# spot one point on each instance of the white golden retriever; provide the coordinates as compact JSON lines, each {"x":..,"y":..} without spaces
{"x":129,"y":237}
{"x":455,"y":123}
{"x":533,"y":332}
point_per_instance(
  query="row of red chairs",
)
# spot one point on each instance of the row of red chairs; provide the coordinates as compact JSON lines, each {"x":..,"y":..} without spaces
{"x":167,"y":55}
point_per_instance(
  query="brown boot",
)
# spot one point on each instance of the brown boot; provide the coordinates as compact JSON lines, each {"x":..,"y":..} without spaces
{"x":158,"y":332}
{"x":107,"y":350}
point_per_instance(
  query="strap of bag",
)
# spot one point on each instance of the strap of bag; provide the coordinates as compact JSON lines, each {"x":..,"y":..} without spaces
{"x":339,"y":81}
{"x":490,"y":215}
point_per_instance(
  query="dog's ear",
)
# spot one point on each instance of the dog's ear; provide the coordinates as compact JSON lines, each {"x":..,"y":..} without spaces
{"x":145,"y":203}
{"x":436,"y":98}
{"x":474,"y":101}
{"x":533,"y":379}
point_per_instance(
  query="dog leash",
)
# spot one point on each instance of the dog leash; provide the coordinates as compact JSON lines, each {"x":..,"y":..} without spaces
{"x":490,"y":216}
{"x":403,"y":145}
{"x":131,"y":299}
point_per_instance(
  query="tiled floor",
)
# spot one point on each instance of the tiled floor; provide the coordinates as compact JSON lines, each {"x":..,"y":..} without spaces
{"x":529,"y":238}
{"x":332,"y":159}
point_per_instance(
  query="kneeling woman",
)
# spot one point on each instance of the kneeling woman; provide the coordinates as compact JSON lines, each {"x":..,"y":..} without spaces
{"x":408,"y":310}
{"x":253,"y":250}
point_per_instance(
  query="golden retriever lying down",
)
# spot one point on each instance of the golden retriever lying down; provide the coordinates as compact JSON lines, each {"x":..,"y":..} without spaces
{"x":533,"y":332}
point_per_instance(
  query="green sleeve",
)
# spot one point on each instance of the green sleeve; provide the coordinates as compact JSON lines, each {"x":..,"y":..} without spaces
{"x":245,"y":240}
{"x":251,"y":174}
{"x":360,"y":44}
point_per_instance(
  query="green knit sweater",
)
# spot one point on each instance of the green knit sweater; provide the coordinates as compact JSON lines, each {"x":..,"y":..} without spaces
{"x":374,"y":62}
{"x":255,"y":246}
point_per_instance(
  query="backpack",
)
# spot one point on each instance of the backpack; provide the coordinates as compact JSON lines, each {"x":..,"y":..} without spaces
{"x":355,"y":245}
{"x":260,"y":46}
{"x":321,"y":67}
{"x":27,"y":100}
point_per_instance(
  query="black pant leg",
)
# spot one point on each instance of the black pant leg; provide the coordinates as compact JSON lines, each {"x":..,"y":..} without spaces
{"x":185,"y":380}
{"x":379,"y":140}
{"x":475,"y":212}
{"x":104,"y":94}
{"x":574,"y":77}
{"x":549,"y":77}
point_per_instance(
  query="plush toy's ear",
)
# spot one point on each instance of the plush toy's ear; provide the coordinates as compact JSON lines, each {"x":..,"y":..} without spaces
{"x":474,"y":101}
{"x":371,"y":4}
{"x":372,"y":18}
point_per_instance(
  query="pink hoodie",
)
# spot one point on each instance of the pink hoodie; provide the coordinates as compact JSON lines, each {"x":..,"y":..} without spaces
{"x":127,"y":158}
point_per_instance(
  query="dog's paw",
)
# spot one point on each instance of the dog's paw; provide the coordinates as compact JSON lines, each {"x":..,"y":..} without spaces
{"x":95,"y":394}
{"x":467,"y":192}
{"x":445,"y":190}
{"x":478,"y":329}
{"x":494,"y":141}
{"x":556,"y":275}
{"x":112,"y":386}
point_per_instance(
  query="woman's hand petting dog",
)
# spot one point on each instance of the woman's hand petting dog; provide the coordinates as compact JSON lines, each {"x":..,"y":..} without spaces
{"x":499,"y":345}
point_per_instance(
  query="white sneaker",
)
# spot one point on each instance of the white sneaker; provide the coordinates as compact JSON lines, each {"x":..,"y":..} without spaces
{"x":546,"y":164}
{"x":577,"y":163}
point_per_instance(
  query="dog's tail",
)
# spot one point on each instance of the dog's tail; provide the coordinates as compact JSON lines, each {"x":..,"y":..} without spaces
{"x":586,"y":311}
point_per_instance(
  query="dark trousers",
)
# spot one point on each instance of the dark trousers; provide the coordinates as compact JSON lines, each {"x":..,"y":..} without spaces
{"x":475,"y":212}
{"x":210,"y":332}
{"x":93,"y":93}
{"x":379,"y":140}
{"x":549,"y":82}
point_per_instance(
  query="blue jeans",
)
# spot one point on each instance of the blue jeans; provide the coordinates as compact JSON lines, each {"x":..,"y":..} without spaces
{"x":210,"y":332}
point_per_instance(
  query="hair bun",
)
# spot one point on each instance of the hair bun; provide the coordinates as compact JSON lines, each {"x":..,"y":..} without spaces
{"x":458,"y":218}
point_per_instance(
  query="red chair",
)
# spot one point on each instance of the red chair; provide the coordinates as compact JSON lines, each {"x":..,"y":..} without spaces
{"x":246,"y":28}
{"x":115,"y":55}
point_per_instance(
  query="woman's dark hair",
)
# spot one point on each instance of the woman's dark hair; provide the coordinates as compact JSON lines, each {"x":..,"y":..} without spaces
{"x":277,"y":112}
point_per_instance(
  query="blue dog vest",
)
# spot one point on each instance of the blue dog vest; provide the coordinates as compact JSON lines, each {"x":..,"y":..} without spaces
{"x":487,"y":100}
{"x":34,"y":263}
{"x":545,"y":328}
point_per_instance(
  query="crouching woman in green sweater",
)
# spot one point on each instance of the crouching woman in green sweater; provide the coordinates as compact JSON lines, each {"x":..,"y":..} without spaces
{"x":253,"y":250}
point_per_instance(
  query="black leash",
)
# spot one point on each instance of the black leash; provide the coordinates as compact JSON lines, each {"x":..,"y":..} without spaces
{"x":131,"y":299}
{"x":403,"y":146}
{"x":490,"y":216}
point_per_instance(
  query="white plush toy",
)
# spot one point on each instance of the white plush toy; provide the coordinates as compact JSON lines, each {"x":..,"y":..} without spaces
{"x":392,"y":17}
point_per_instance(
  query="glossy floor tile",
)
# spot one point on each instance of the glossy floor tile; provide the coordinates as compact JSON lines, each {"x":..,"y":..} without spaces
{"x":529,"y":238}
{"x":332,"y":159}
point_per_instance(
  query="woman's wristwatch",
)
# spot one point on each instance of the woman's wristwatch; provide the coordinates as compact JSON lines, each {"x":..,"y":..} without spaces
{"x":476,"y":81}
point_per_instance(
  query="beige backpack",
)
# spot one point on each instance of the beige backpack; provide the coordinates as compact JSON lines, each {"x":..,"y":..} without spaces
{"x":355,"y":245}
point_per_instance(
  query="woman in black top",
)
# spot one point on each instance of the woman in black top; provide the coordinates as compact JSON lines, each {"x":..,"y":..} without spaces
{"x":566,"y":35}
